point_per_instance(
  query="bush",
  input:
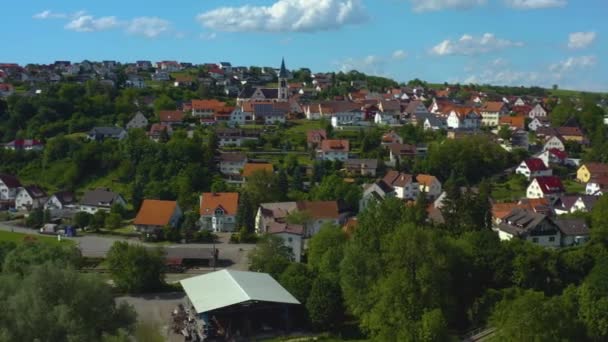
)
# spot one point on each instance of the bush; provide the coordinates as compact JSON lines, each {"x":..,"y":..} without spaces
{"x":204,"y":236}
{"x":235,"y":238}
{"x":113,"y":221}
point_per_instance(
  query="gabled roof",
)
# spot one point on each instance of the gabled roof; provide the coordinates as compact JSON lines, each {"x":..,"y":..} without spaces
{"x":316,"y":134}
{"x":361,"y":163}
{"x":155,"y":213}
{"x":96,"y":197}
{"x":225,"y":288}
{"x":65,"y":197}
{"x":320,"y":209}
{"x":493,"y":106}
{"x":35,"y":191}
{"x":402,"y":149}
{"x":558,"y":153}
{"x":228,"y":201}
{"x":233,"y":157}
{"x":397,"y":179}
{"x":250,"y":168}
{"x":550,"y":184}
{"x":426,"y":180}
{"x":535,"y":164}
{"x":340,"y":145}
{"x":173,"y":116}
{"x":211,"y":105}
{"x":572,"y":226}
{"x":521,"y":222}
{"x":569,"y":131}
{"x":517,"y":121}
{"x":597,"y":169}
{"x":10,"y":181}
{"x":24,"y":143}
{"x":106,"y":131}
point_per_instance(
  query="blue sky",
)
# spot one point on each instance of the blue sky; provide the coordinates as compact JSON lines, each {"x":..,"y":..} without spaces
{"x":510,"y":42}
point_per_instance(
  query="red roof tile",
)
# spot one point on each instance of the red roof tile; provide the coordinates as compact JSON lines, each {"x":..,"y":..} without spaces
{"x":228,"y":201}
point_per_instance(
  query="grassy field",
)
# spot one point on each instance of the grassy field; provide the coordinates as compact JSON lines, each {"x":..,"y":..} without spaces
{"x":573,"y":187}
{"x":511,"y":190}
{"x":19,"y":238}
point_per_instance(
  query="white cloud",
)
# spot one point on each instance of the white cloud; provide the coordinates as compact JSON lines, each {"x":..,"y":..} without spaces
{"x":149,"y":27}
{"x":437,"y":5}
{"x":468,"y":45}
{"x":208,"y":36}
{"x":88,"y":23}
{"x":573,"y":63}
{"x":371,"y":64}
{"x":535,"y":4}
{"x":580,"y":40}
{"x":286,"y":15}
{"x":399,"y":54}
{"x":48,"y":14}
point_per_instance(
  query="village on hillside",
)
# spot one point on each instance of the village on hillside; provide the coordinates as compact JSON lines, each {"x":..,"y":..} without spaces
{"x":181,"y":153}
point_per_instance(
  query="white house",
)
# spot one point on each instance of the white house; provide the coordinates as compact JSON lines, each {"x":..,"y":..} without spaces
{"x":404,"y":185}
{"x":555,"y":142}
{"x":429,"y":185}
{"x":9,"y":185}
{"x":30,"y":197}
{"x":537,"y":111}
{"x":552,"y":156}
{"x":537,"y":123}
{"x":384,"y":119}
{"x":377,"y":191}
{"x":292,"y":235}
{"x":491,"y":113}
{"x":315,"y":215}
{"x":232,"y":163}
{"x":333,"y":149}
{"x":530,"y":226}
{"x":349,"y":118}
{"x":100,"y":199}
{"x":597,"y":186}
{"x":61,"y":200}
{"x":549,"y":187}
{"x":532,"y":168}
{"x":218,"y":211}
{"x":464,"y":119}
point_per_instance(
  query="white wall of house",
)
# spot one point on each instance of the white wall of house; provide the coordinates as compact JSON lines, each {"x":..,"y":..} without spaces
{"x":24,"y":200}
{"x":409,"y":191}
{"x":293,"y":241}
{"x":523,"y":169}
{"x":7,"y":193}
{"x":333,"y":155}
{"x":537,"y":111}
{"x":227,"y":223}
{"x":490,"y":119}
{"x":592,"y":188}
{"x":554,"y":142}
{"x":534,"y":190}
{"x":546,"y":240}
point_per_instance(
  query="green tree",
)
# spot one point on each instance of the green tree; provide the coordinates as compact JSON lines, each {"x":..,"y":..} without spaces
{"x":534,"y":317}
{"x":35,"y":219}
{"x":113,"y":221}
{"x":594,"y":301}
{"x":99,"y":219}
{"x":326,"y":251}
{"x":599,"y":221}
{"x":62,"y":305}
{"x":271,"y":256}
{"x":82,"y":219}
{"x":324,"y":304}
{"x":297,"y":279}
{"x":21,"y":259}
{"x":136,"y":268}
{"x":334,"y":187}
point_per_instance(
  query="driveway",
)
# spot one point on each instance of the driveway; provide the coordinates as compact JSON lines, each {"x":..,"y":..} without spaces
{"x":232,"y":256}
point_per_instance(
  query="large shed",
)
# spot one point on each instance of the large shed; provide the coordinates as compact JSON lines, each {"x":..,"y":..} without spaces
{"x":232,"y":304}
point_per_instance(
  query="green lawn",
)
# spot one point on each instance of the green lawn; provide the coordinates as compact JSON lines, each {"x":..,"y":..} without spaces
{"x":303,"y":126}
{"x":511,"y":190}
{"x":19,"y":238}
{"x":573,"y":187}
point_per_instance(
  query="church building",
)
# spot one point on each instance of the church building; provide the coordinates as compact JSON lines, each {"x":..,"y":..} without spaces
{"x":259,"y":94}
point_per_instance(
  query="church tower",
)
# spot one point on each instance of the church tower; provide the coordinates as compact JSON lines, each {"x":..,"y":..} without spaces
{"x":283,"y":94}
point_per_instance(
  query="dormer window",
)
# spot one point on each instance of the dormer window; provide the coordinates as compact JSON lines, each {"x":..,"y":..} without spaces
{"x":219,"y":212}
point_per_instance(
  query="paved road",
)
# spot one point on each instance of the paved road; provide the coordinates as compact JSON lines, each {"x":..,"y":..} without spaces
{"x":233,"y":255}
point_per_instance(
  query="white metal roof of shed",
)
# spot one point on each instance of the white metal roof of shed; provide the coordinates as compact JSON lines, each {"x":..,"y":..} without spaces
{"x":227,"y":287}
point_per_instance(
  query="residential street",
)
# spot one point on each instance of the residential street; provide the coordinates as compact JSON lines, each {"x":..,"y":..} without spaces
{"x":232,"y":255}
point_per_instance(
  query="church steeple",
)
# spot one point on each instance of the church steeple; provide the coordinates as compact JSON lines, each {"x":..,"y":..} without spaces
{"x":283,"y":87}
{"x":283,"y":72}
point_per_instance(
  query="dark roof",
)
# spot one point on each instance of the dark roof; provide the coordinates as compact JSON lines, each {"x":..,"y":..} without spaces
{"x":65,"y":197}
{"x":283,"y":71}
{"x":10,"y":181}
{"x":395,"y":178}
{"x":521,"y":222}
{"x":233,"y":157}
{"x":535,"y":164}
{"x":572,"y":226}
{"x":357,"y":163}
{"x":269,"y":93}
{"x":35,"y":191}
{"x":387,"y":188}
{"x":98,"y":197}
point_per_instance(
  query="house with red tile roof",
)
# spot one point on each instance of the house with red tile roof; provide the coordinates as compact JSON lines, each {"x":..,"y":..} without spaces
{"x":218,"y":211}
{"x":491,"y":112}
{"x":430,"y":185}
{"x":250,"y":168}
{"x":549,"y":187}
{"x":24,"y":145}
{"x":404,"y":185}
{"x":205,"y":109}
{"x":334,"y":149}
{"x":157,"y":131}
{"x":517,"y":122}
{"x":464,"y":118}
{"x":532,"y":168}
{"x":171,"y":117}
{"x":391,"y":137}
{"x":154,"y":215}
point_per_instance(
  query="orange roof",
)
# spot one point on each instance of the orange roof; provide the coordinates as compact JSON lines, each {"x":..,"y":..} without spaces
{"x":251,"y":168}
{"x":335,"y":145}
{"x":207,"y":104}
{"x":320,"y":209}
{"x":493,"y":106}
{"x":514,"y":121}
{"x":500,"y":210}
{"x":155,"y":213}
{"x":426,"y":180}
{"x":228,"y":201}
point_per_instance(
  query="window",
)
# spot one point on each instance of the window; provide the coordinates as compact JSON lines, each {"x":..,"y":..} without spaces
{"x":219,"y":212}
{"x":552,"y":239}
{"x":290,"y":240}
{"x":535,"y":240}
